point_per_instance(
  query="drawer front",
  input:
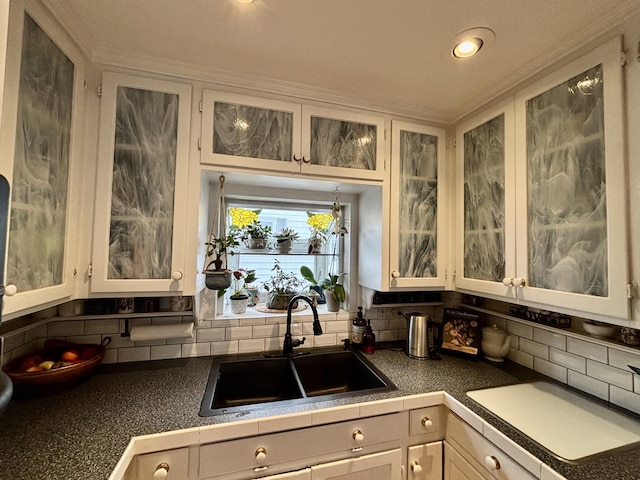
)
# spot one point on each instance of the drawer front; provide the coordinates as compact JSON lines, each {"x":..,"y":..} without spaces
{"x":263,"y":453}
{"x":427,"y":421}
{"x":482,"y":453}
{"x":177,"y":460}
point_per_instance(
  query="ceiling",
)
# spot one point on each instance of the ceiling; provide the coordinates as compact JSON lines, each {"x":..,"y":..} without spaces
{"x":389,"y":55}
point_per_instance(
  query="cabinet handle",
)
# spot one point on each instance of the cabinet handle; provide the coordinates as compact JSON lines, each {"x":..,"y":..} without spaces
{"x":261,"y":455}
{"x":427,"y":423}
{"x":162,"y":471}
{"x":507,"y":281}
{"x":395,"y":274}
{"x":297,"y":159}
{"x":358,"y":436}
{"x":10,"y":290}
{"x":304,"y":160}
{"x":491,"y":462}
{"x":416,"y":468}
{"x":519,"y":282}
{"x":177,"y":276}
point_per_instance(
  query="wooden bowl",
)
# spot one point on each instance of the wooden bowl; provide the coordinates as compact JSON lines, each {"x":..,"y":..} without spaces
{"x":59,"y":378}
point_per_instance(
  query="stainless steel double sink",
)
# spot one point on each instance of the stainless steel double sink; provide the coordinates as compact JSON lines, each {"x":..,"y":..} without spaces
{"x":245,"y":383}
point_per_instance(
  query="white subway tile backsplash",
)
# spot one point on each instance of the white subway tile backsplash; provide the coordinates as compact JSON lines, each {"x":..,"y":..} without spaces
{"x":236,"y":333}
{"x":337,"y":326}
{"x":587,"y":349}
{"x":65,"y":328}
{"x":569,"y":360}
{"x":134,"y":354}
{"x":536,"y":349}
{"x":100,"y":326}
{"x":625,"y":399}
{"x":161,"y":352}
{"x":224,"y":348}
{"x":210,"y":334}
{"x":520,"y":329}
{"x":251,"y":345}
{"x":550,"y":369}
{"x":621,"y":359}
{"x":611,"y":375}
{"x":521,"y":358}
{"x":553,"y":339}
{"x":325,"y":340}
{"x":196,"y":349}
{"x":590,"y":385}
{"x":266,"y":331}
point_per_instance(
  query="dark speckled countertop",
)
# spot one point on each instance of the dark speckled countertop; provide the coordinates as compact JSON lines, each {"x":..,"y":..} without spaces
{"x":82,"y":432}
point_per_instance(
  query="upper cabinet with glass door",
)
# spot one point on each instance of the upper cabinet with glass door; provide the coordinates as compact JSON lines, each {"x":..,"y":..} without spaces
{"x":239,"y":131}
{"x":485,"y":212}
{"x":572,"y":234}
{"x":42,"y":107}
{"x":550,"y":233}
{"x":141,"y":201}
{"x":417,"y":218}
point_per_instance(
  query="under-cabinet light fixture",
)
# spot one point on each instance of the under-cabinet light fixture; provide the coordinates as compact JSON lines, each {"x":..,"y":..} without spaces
{"x":468,"y":43}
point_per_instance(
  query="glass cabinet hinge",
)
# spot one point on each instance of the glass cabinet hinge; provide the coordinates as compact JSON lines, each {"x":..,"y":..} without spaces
{"x":623,"y":59}
{"x":632,"y":290}
{"x":99,"y":90}
{"x":199,"y":143}
{"x":201,"y":106}
{"x":90,"y":270}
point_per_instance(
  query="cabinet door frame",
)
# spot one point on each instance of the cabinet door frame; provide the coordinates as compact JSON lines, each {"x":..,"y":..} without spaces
{"x":441,"y":227}
{"x":106,"y":144}
{"x":505,"y":108}
{"x":616,"y":304}
{"x":344,"y":468}
{"x":209,"y":97}
{"x":309,"y":111}
{"x":32,"y":300}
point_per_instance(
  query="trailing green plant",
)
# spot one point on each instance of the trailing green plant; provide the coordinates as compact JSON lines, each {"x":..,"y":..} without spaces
{"x":330,"y":283}
{"x":218,"y":246}
{"x":281,"y":282}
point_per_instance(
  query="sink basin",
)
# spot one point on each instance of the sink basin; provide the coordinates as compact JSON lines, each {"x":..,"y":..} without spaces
{"x":245,"y":383}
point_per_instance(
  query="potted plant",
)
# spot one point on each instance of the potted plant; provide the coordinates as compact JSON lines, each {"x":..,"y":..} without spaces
{"x":217,"y":276}
{"x":282,"y":287}
{"x":316,"y":240}
{"x":285,"y":239}
{"x":308,"y":275}
{"x":239,"y":298}
{"x":337,"y":294}
{"x":256,"y":235}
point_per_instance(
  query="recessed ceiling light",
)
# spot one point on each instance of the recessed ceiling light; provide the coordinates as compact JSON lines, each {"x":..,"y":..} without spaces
{"x":467,"y":48}
{"x":468,"y":43}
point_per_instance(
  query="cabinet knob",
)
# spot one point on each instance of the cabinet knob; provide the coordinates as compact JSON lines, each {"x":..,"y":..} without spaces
{"x":162,"y":471}
{"x":416,"y":468}
{"x":297,"y":159}
{"x":177,"y":276}
{"x":426,"y":422}
{"x":491,"y":462}
{"x":10,"y":290}
{"x":507,"y":281}
{"x":261,"y":455}
{"x":519,"y":282}
{"x":395,"y":274}
{"x":358,"y":436}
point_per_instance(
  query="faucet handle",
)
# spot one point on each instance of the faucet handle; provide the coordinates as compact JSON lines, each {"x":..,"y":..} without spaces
{"x":298,"y":341}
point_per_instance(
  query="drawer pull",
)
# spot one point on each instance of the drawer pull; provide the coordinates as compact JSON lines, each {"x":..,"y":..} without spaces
{"x":162,"y":471}
{"x":261,"y":455}
{"x":416,"y":468}
{"x":358,"y":436}
{"x":427,"y":423}
{"x":491,"y":462}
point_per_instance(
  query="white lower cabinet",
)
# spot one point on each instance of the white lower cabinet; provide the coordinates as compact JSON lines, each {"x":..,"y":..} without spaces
{"x":489,"y":461}
{"x":424,"y":462}
{"x":167,"y":465}
{"x":378,"y":466}
{"x":304,"y":474}
{"x":456,"y":467}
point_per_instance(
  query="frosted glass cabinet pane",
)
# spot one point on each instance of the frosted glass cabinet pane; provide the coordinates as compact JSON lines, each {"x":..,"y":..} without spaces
{"x":36,"y":250}
{"x":141,"y":227}
{"x":246,"y":131}
{"x":418,"y":205}
{"x":339,"y":143}
{"x":484,"y":201}
{"x":567,"y":211}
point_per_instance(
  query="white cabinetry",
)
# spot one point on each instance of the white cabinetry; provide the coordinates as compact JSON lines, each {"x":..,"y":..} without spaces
{"x":141,"y":197}
{"x":39,"y":146}
{"x":424,"y":462}
{"x":456,"y":467}
{"x":167,"y":465}
{"x":378,"y":466}
{"x":417,"y":219}
{"x":244,"y":132}
{"x":568,"y":208}
{"x":487,"y":459}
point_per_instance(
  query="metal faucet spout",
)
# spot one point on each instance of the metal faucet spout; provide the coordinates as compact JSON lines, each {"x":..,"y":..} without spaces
{"x":289,"y":343}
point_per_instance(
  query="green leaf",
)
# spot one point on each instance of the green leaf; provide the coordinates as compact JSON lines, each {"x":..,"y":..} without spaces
{"x":339,"y":294}
{"x":308,"y":275}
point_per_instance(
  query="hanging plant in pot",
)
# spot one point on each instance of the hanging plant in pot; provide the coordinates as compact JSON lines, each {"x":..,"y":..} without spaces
{"x":239,"y":298}
{"x":217,"y":276}
{"x":282,"y":287}
{"x":285,"y":239}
